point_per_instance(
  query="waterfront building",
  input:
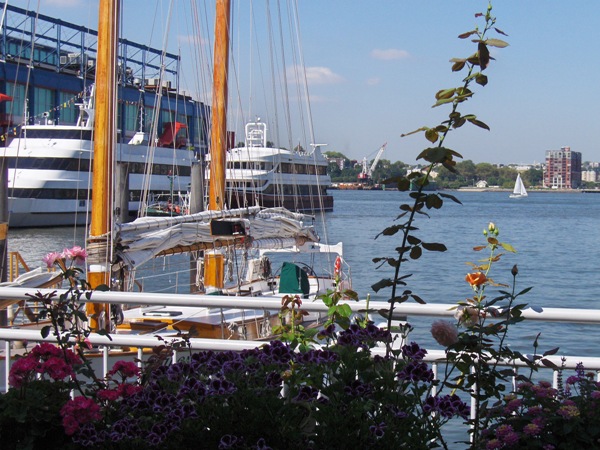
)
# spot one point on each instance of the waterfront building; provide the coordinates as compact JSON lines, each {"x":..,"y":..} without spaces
{"x":47,"y":74}
{"x":589,"y":175}
{"x":563,"y":169}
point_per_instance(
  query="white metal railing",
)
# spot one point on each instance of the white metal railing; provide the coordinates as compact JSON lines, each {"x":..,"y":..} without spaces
{"x":105,"y":344}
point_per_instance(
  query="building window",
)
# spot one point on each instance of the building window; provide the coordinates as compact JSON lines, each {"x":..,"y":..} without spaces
{"x":68,"y":110}
{"x":43,"y":103}
{"x":131,"y":116}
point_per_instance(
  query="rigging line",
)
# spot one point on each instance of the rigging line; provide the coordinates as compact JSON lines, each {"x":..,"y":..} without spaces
{"x":308,"y":107}
{"x":25,"y":115}
{"x":155,"y":121}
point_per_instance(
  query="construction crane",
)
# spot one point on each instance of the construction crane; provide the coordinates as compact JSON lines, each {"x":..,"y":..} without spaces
{"x":367,"y":171}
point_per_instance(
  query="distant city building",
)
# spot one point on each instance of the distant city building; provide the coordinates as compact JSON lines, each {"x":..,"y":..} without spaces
{"x":340,"y":162}
{"x":589,"y":175}
{"x":563,"y":169}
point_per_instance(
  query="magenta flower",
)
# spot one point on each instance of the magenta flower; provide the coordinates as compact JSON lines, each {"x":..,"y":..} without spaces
{"x":57,"y":369}
{"x":77,"y":412}
{"x":21,"y":371}
{"x":126,"y":369}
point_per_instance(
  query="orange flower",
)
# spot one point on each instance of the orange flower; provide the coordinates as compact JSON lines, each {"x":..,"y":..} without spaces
{"x":476,"y":279}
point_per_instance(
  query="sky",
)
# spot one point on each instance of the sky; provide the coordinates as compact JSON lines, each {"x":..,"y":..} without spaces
{"x":373,"y":68}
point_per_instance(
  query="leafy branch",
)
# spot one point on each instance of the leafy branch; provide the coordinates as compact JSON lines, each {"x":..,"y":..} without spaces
{"x":439,"y":155}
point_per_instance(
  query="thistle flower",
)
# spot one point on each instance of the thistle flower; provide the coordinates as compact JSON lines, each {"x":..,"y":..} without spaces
{"x":444,"y":333}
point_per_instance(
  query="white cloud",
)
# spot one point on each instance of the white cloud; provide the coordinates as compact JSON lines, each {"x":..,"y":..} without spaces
{"x":389,"y":54}
{"x":322,"y":75}
{"x":63,"y":3}
{"x":373,"y":81}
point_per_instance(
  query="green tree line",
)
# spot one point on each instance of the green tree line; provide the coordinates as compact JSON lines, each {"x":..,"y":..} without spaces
{"x":468,"y":174}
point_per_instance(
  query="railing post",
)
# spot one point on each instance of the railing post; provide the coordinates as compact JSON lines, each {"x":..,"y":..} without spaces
{"x":7,"y":357}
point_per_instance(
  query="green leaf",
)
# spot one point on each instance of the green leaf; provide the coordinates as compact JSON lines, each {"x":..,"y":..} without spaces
{"x":499,"y":43}
{"x":481,"y":79}
{"x":434,"y":247}
{"x":46,"y":331}
{"x":382,"y":284}
{"x":479,"y":123}
{"x":554,"y":351}
{"x":345,"y":310}
{"x":451,"y":197}
{"x":433,"y":201}
{"x":457,"y":66}
{"x":442,"y":101}
{"x":548,"y":363}
{"x":431,"y":135}
{"x":418,"y":299}
{"x":445,"y":93}
{"x":416,"y":252}
{"x":467,"y":34}
{"x":508,"y":247}
{"x":483,"y":54}
{"x":412,"y":240}
{"x":413,"y":132}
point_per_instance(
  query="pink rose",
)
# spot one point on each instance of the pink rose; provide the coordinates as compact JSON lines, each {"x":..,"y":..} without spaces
{"x":445,"y":333}
{"x":51,"y":258}
{"x":76,"y":253}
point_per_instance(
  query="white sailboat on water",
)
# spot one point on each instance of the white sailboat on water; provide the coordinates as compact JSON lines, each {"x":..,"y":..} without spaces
{"x":519,"y":190}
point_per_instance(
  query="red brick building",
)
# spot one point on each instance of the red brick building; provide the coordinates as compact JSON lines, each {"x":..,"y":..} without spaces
{"x":563,"y":169}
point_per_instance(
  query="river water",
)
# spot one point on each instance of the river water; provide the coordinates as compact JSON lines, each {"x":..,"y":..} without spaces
{"x":555,"y":234}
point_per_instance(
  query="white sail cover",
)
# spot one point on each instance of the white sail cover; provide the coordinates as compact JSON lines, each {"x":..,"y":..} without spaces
{"x":141,"y":240}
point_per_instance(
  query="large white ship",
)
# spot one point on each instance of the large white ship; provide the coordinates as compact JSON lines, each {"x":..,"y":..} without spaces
{"x":49,"y":175}
{"x":260,"y":174}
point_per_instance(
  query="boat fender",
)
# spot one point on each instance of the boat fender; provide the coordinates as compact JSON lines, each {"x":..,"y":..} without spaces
{"x":265,"y":266}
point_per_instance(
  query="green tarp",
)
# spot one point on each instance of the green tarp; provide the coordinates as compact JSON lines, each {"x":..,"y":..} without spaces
{"x":293,"y":280}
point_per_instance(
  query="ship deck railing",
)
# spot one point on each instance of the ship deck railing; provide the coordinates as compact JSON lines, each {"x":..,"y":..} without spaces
{"x":107,"y":345}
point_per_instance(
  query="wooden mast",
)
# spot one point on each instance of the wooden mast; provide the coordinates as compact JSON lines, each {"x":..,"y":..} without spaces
{"x":213,"y":261}
{"x":218,"y":130}
{"x":104,"y":142}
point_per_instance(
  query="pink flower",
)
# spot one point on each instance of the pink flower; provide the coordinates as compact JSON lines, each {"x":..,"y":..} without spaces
{"x":77,"y":412}
{"x":45,"y":350}
{"x":76,"y":253}
{"x":127,"y":390}
{"x":108,"y":394}
{"x":57,"y":369}
{"x":126,"y":369}
{"x":21,"y":370}
{"x":444,"y":333}
{"x":51,"y":258}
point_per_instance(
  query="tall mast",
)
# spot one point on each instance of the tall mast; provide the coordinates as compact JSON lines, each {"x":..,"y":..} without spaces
{"x":104,"y":143}
{"x":218,"y":131}
{"x":214,"y":261}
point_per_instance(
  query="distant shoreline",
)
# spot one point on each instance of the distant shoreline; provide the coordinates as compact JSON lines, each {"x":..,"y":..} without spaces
{"x":468,"y":189}
{"x":530,"y":190}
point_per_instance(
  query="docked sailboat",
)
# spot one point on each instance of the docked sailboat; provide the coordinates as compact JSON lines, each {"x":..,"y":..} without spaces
{"x":519,"y":190}
{"x":215,"y":239}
